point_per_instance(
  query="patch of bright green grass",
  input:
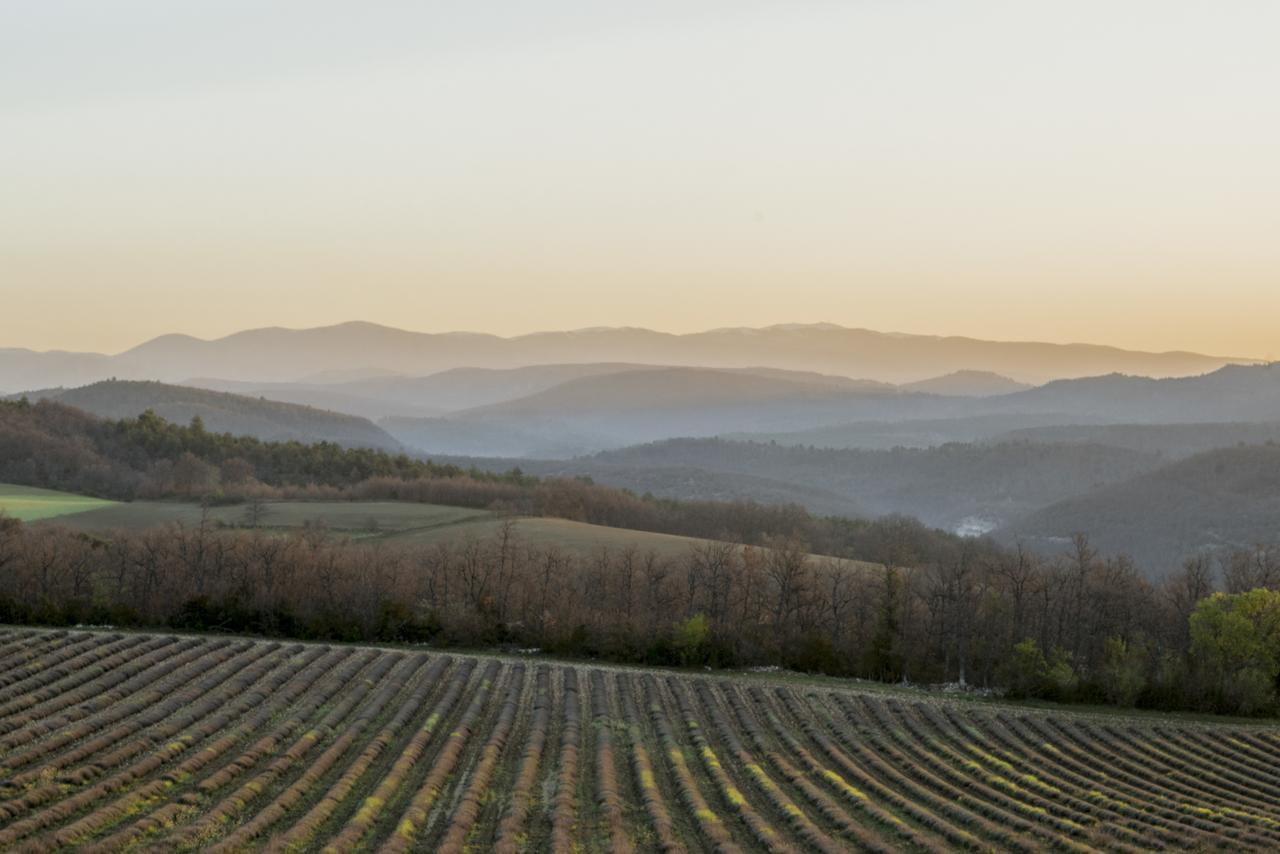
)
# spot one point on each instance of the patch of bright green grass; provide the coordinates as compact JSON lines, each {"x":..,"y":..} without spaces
{"x":29,"y":503}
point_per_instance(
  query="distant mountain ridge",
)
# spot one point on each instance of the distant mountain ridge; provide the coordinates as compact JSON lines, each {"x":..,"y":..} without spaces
{"x":966,"y":383}
{"x":286,"y":355}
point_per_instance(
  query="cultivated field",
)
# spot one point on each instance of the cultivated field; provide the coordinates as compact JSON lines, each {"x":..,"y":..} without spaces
{"x":29,"y":503}
{"x":164,"y":743}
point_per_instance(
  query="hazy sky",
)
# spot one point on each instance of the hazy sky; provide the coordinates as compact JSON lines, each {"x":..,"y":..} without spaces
{"x":1093,"y":171}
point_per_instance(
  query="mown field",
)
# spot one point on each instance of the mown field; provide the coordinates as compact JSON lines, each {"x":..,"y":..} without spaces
{"x":29,"y":503}
{"x":400,"y":522}
{"x":144,"y":742}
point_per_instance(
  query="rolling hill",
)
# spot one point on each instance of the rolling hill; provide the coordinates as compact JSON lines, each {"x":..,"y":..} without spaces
{"x":1236,"y":393}
{"x":1171,"y":440}
{"x":1232,"y":393}
{"x":437,"y":437}
{"x":429,"y":396}
{"x":347,"y":398}
{"x":1222,"y":499}
{"x":616,"y":410}
{"x":971,"y":487}
{"x":460,"y":389}
{"x":610,"y":411}
{"x":222,"y":412}
{"x":394,"y":523}
{"x":909,"y":433}
{"x":30,"y":503}
{"x":678,"y":388}
{"x":967,"y":384}
{"x":675,"y":482}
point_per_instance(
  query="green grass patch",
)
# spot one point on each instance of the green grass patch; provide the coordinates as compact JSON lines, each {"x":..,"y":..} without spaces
{"x":29,"y":503}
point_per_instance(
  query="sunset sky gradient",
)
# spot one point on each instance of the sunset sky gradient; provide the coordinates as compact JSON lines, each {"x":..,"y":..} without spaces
{"x":1089,"y":171}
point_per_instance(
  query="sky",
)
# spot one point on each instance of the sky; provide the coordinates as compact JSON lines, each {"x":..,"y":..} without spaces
{"x":1087,"y":171}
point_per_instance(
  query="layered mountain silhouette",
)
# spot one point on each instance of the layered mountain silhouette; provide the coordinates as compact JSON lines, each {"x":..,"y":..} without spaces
{"x":288,"y":355}
{"x":607,"y":411}
{"x":1235,"y":393}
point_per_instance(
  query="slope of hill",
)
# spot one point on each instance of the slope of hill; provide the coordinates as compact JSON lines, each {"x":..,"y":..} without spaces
{"x":1171,"y":440}
{"x":429,"y":396}
{"x":1236,"y":393}
{"x":1228,"y":498}
{"x":396,"y":523}
{"x":29,"y":503}
{"x":967,"y":384}
{"x":334,"y":397}
{"x":480,"y":438}
{"x":285,"y":355}
{"x":908,"y":433}
{"x":52,"y":445}
{"x":21,"y":368}
{"x":223,"y":413}
{"x":610,"y":411}
{"x":469,"y":388}
{"x":674,"y":482}
{"x":1232,"y":393}
{"x":969,"y":487}
{"x":639,"y":760}
{"x":671,"y":388}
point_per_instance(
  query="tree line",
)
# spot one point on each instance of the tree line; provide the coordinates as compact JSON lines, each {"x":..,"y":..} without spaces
{"x":1076,"y":627}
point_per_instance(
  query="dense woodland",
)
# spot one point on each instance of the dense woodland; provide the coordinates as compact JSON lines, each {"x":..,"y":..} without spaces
{"x":60,"y":447}
{"x":1075,"y":625}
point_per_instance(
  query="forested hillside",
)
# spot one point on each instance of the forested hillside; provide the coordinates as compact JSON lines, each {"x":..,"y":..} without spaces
{"x":221,"y":412}
{"x":943,"y":486}
{"x":52,"y":445}
{"x":1171,"y":440}
{"x":1211,"y":502}
{"x":1232,"y":393}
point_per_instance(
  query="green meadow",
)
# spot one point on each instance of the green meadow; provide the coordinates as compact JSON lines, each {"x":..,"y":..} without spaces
{"x":28,"y":503}
{"x":393,"y":522}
